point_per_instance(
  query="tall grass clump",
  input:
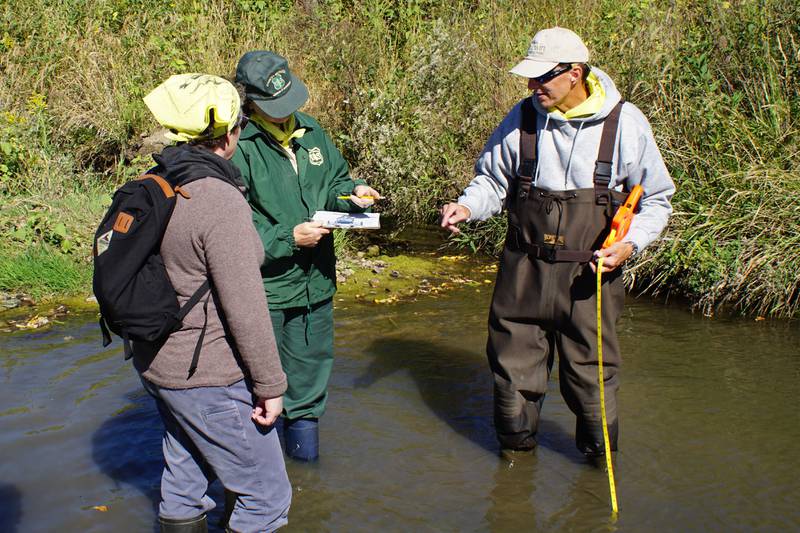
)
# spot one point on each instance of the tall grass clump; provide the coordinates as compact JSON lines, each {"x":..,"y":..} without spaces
{"x":410,"y":90}
{"x":725,"y":107}
{"x":56,"y":274}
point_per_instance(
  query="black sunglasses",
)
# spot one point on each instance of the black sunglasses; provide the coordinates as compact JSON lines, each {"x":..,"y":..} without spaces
{"x":241,"y":123}
{"x":550,"y":74}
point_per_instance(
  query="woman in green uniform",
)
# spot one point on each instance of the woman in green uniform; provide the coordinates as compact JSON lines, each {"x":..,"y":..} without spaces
{"x":292,"y":169}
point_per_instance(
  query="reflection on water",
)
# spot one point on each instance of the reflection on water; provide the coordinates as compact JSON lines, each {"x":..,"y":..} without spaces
{"x":706,"y":441}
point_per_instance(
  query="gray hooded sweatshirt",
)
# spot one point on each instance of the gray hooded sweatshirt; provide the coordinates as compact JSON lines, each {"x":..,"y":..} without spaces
{"x":567,"y":152}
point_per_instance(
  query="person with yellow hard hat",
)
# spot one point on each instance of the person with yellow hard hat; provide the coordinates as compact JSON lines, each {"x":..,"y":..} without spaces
{"x":218,"y":422}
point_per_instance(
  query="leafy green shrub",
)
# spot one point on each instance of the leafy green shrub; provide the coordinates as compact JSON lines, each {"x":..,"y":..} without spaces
{"x":40,"y":228}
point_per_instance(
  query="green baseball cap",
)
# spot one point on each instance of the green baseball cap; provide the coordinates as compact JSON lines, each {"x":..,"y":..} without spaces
{"x":270,"y":84}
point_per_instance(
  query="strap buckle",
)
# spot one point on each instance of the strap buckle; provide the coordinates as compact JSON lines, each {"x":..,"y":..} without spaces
{"x":527,"y":167}
{"x":602,"y":172}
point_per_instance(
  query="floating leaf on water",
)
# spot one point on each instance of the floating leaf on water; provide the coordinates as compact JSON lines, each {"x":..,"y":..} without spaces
{"x":101,"y":508}
{"x":15,"y":411}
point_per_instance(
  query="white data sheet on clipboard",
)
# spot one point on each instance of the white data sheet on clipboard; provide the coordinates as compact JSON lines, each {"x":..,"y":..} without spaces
{"x":336,"y":219}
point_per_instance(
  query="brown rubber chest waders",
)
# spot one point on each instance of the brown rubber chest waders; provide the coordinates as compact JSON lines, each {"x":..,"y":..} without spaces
{"x":545,"y":303}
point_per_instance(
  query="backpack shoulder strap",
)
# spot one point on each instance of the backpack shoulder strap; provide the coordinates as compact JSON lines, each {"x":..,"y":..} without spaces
{"x":605,"y":154}
{"x":527,"y":147}
{"x":180,"y":190}
{"x":169,"y":192}
{"x":192,"y":301}
{"x":195,"y":298}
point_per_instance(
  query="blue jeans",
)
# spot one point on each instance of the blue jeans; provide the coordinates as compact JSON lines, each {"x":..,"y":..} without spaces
{"x":208,"y":435}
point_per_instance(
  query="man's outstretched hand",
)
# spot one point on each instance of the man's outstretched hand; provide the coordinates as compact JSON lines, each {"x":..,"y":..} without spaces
{"x":453,"y":214}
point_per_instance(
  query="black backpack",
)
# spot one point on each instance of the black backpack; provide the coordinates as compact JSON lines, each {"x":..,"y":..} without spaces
{"x":136,"y":298}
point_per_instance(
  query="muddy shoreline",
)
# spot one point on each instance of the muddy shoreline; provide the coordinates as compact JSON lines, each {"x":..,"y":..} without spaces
{"x":363,"y":278}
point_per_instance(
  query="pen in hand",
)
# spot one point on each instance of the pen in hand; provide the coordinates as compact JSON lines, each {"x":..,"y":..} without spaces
{"x":360,"y":197}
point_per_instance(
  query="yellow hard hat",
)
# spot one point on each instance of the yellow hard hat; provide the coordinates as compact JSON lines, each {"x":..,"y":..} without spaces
{"x":183,"y":105}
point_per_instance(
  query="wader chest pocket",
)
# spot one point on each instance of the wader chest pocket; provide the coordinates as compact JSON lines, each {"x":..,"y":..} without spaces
{"x":513,"y":238}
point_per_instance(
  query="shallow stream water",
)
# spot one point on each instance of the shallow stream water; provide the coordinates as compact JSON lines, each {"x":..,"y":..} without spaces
{"x":708,"y":431}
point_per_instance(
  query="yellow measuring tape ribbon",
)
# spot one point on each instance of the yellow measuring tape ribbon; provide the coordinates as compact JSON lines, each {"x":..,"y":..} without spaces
{"x":601,"y":380}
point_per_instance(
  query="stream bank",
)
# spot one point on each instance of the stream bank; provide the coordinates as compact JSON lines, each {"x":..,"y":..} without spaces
{"x":367,"y":277}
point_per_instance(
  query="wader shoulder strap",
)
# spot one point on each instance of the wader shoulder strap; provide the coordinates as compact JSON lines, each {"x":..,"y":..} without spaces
{"x":605,"y":155}
{"x":527,"y":147}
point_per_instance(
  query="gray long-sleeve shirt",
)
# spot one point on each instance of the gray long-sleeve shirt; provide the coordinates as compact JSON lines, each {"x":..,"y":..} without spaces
{"x":567,"y":152}
{"x":211,"y":236}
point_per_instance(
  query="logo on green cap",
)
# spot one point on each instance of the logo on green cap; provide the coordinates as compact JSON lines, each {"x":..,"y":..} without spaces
{"x":277,"y":83}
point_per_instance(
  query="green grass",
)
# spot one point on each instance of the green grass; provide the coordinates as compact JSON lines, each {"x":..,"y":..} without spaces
{"x":47,"y":248}
{"x":410,"y":90}
{"x":41,"y":272}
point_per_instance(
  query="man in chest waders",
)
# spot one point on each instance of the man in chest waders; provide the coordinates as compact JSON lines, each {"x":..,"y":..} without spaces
{"x":561,"y":162}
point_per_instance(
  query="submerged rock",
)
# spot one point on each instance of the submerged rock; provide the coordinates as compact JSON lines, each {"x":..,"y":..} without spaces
{"x":12,"y":301}
{"x":8,"y":301}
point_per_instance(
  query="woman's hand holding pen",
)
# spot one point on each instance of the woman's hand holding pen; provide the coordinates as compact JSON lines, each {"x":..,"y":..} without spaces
{"x":364,"y":196}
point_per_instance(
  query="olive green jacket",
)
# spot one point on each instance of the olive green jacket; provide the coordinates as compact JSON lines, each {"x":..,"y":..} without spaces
{"x":282,"y":198}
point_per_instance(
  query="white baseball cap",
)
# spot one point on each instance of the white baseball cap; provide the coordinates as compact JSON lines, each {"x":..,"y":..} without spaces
{"x":549,"y":48}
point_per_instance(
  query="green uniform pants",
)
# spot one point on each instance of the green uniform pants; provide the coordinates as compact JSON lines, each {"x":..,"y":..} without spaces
{"x":305,"y":344}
